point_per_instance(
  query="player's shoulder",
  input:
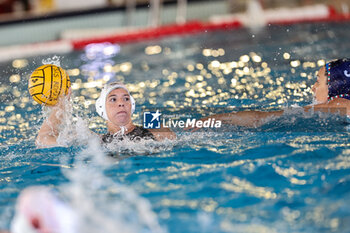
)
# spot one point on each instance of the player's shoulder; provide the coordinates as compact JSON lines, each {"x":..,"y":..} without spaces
{"x":339,"y":102}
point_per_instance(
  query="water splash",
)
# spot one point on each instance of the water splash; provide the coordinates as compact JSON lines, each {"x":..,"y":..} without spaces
{"x":55,"y":60}
{"x":102,"y":204}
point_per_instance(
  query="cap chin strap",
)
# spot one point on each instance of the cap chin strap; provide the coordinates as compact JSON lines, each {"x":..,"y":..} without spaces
{"x":121,"y":132}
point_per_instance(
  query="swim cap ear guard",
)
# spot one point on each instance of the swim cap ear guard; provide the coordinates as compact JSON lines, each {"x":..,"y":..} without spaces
{"x":101,"y":101}
{"x":338,"y":79}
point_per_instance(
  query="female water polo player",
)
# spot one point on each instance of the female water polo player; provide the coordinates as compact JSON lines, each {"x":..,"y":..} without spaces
{"x":331,"y":93}
{"x":115,"y":105}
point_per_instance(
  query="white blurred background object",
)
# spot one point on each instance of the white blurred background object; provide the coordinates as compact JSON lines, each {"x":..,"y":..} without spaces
{"x":79,"y":4}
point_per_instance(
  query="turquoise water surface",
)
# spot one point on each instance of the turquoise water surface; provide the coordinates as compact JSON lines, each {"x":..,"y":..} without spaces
{"x":290,"y":175}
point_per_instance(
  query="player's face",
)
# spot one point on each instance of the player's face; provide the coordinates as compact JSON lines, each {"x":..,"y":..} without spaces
{"x":118,"y":107}
{"x":320,"y":88}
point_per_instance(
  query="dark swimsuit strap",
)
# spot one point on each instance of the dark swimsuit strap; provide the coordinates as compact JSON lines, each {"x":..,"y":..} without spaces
{"x":137,"y":134}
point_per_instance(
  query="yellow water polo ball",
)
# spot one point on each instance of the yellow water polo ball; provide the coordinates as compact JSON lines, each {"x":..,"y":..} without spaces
{"x":47,"y":83}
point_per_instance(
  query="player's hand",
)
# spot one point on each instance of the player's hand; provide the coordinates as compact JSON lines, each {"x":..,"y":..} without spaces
{"x":63,"y":100}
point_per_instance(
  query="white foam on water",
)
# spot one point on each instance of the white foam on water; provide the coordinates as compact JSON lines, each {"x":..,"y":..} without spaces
{"x":140,"y":147}
{"x":101,"y":204}
{"x":184,"y":139}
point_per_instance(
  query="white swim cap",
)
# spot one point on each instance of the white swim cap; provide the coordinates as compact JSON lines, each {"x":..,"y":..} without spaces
{"x":39,"y":205}
{"x":101,"y":101}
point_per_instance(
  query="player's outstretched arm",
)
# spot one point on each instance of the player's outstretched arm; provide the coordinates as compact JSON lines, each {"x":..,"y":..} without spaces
{"x":162,"y":134}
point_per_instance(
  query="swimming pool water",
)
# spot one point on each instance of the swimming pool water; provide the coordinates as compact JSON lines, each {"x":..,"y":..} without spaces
{"x":291,"y":175}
